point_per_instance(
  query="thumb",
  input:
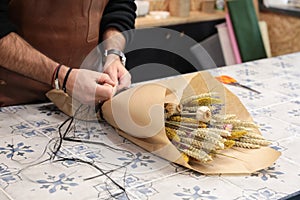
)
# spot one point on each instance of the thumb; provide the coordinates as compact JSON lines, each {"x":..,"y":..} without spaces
{"x":125,"y":81}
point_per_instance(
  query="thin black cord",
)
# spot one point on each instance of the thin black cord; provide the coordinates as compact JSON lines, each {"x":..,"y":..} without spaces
{"x":58,"y":141}
{"x":62,"y":137}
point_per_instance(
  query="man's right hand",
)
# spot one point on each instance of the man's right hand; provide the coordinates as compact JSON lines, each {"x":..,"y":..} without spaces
{"x":88,"y":87}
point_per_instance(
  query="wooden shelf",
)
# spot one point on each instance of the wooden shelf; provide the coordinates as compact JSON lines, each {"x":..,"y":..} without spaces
{"x":195,"y":16}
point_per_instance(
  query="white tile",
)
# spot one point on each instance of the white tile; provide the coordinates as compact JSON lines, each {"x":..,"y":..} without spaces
{"x":95,"y":131}
{"x":9,"y":174}
{"x":54,"y":181}
{"x":22,"y":150}
{"x":186,"y":187}
{"x":274,"y":129}
{"x":40,"y":112}
{"x":284,"y":85}
{"x":291,"y":149}
{"x":289,"y":112}
{"x":12,"y":109}
{"x":9,"y":123}
{"x":253,"y":101}
{"x":278,"y":180}
{"x":4,"y":196}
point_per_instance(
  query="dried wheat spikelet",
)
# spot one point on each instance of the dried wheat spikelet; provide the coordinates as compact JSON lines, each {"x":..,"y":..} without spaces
{"x":202,"y":140}
{"x":198,"y":154}
{"x":194,"y":97}
{"x":236,"y":134}
{"x":246,"y":145}
{"x":259,"y":142}
{"x":205,"y":101}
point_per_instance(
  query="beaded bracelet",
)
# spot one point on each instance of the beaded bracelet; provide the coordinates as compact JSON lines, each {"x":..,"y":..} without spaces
{"x":65,"y":80}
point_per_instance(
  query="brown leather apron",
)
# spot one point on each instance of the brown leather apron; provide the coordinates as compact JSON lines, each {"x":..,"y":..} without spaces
{"x":65,"y":31}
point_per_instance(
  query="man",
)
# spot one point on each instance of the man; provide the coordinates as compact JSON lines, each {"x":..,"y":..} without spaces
{"x":40,"y":40}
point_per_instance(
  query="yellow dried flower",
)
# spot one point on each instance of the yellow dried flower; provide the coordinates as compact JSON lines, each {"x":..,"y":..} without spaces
{"x":191,"y":98}
{"x":185,"y":157}
{"x":237,"y":134}
{"x":172,"y":135}
{"x":229,"y":143}
{"x":183,"y":119}
{"x":204,"y":101}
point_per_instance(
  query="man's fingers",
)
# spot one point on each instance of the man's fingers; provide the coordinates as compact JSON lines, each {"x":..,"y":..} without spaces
{"x":104,"y":78}
{"x":103,"y":92}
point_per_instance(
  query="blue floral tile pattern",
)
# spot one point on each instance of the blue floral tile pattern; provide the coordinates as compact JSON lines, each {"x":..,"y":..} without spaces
{"x":16,"y":150}
{"x":138,"y":160}
{"x":132,"y":184}
{"x":261,"y":194}
{"x":94,"y":162}
{"x":54,"y":183}
{"x":7,"y":175}
{"x":268,"y":173}
{"x":194,"y":194}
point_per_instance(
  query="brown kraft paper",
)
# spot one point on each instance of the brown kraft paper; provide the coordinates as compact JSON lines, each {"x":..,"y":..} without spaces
{"x":138,"y":115}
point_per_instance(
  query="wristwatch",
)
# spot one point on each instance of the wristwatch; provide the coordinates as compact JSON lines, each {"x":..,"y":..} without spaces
{"x":116,"y":52}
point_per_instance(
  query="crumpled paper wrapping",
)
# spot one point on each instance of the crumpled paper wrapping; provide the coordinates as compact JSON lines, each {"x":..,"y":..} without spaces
{"x":138,"y":115}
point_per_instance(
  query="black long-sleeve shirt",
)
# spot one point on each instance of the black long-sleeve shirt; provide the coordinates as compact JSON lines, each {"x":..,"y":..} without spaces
{"x":5,"y":25}
{"x":119,"y":14}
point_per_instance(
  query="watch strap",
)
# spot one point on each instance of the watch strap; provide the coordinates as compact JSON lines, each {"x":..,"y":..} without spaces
{"x":116,"y":52}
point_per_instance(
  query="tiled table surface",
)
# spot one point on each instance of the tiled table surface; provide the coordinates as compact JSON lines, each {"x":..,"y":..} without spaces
{"x":26,"y":134}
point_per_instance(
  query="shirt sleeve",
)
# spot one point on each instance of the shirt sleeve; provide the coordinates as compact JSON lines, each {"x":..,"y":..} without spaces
{"x":121,"y":15}
{"x":6,"y":26}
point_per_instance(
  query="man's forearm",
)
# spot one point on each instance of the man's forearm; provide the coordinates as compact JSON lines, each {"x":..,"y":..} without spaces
{"x":18,"y":56}
{"x":113,"y":39}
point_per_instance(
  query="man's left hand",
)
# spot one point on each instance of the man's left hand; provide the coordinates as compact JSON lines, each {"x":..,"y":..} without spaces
{"x":117,"y":72}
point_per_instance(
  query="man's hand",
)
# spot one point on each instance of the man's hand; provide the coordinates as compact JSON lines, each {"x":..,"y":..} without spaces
{"x":88,"y":87}
{"x":113,"y":39}
{"x":117,"y":72}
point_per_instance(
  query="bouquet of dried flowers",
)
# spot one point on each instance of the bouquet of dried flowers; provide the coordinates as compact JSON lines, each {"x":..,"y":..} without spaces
{"x":191,"y":120}
{"x":199,"y":132}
